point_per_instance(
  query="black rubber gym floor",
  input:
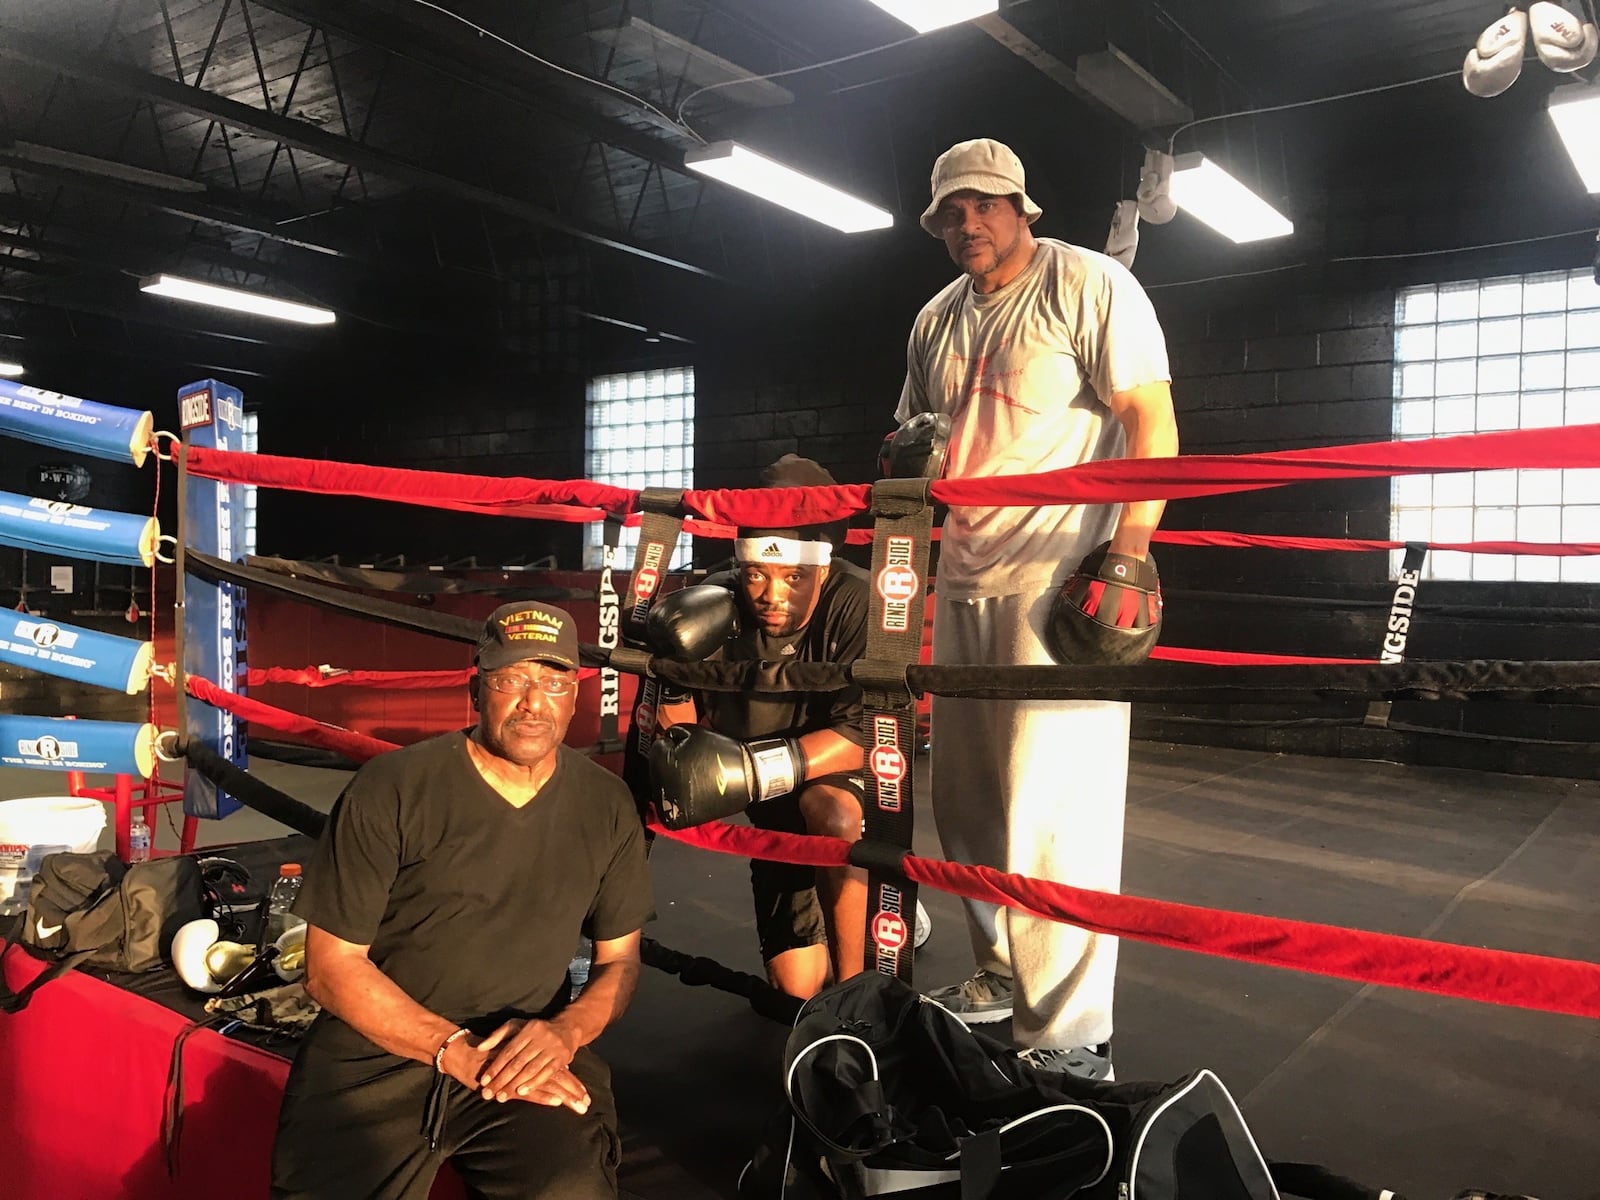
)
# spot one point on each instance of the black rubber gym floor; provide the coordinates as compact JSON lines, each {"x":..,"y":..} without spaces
{"x":1419,"y":1094}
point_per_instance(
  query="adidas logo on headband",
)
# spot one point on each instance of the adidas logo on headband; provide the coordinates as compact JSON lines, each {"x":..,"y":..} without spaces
{"x":783,"y":551}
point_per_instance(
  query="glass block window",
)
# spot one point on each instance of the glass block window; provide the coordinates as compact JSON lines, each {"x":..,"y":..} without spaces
{"x":640,"y":434}
{"x":1516,"y":352}
{"x":250,"y":442}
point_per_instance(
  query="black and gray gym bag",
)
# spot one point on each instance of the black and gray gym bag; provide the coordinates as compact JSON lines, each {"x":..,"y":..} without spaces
{"x":888,"y":1093}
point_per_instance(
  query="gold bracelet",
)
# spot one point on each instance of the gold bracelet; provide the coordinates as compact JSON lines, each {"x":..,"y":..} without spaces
{"x":438,"y":1055}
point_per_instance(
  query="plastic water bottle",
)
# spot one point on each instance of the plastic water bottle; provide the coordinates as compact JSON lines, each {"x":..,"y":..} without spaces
{"x":578,"y":968}
{"x":138,"y":840}
{"x":278,"y":920}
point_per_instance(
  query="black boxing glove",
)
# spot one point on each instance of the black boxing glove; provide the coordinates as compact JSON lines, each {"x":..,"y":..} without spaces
{"x":699,"y":775}
{"x":1108,"y":613}
{"x":917,"y":449}
{"x":690,"y":624}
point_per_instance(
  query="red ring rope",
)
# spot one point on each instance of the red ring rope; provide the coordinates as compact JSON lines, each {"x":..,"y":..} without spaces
{"x":1493,"y":976}
{"x":1574,"y":446}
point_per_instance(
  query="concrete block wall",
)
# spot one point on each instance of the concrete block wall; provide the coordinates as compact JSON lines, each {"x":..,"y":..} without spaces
{"x":499,"y":424}
{"x":1259,"y":370}
{"x":835,"y":404}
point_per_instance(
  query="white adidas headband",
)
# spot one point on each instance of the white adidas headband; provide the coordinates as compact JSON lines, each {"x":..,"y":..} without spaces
{"x":789,"y":552}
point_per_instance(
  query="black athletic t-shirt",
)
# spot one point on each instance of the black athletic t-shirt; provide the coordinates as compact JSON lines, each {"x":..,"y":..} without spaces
{"x":472,"y":906}
{"x":836,"y":632}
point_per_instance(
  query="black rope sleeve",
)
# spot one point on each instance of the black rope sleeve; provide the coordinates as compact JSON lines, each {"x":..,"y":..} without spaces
{"x":872,"y":855}
{"x":1573,"y":683}
{"x":252,"y":793}
{"x":765,"y":999}
{"x":385,"y":612}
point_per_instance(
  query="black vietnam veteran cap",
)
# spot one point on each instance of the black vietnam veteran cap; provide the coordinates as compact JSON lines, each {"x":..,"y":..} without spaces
{"x":525,"y":632}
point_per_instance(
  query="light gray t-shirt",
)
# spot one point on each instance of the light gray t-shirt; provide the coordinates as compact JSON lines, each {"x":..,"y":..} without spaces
{"x":1024,"y":374}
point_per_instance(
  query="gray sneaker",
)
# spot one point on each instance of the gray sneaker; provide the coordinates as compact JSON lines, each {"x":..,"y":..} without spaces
{"x":1085,"y":1062}
{"x":977,"y":1001}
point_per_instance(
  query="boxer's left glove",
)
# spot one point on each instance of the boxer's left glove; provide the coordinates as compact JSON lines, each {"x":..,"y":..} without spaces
{"x":1108,"y":613}
{"x":699,"y":775}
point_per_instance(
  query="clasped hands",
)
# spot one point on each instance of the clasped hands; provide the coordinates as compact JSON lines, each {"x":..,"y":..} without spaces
{"x":521,"y":1060}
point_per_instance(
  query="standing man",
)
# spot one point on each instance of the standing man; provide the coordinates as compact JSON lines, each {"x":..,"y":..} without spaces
{"x":444,"y":901}
{"x":1043,"y":355}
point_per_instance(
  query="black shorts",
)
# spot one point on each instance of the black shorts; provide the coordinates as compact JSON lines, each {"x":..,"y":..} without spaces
{"x":788,"y":911}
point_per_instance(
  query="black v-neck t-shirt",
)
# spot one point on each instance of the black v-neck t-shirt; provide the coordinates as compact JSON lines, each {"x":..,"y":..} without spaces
{"x":472,"y":905}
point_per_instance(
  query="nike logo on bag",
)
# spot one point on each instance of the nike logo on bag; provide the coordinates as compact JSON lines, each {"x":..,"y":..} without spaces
{"x":45,"y":931}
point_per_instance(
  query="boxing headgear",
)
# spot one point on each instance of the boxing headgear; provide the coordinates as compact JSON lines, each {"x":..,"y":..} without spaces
{"x":1108,"y":613}
{"x":917,"y":449}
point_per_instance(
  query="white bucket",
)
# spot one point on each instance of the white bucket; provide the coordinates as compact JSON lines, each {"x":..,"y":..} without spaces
{"x":34,"y":826}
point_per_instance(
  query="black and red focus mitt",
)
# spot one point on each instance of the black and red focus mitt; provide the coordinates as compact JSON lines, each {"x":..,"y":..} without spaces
{"x":1108,"y":613}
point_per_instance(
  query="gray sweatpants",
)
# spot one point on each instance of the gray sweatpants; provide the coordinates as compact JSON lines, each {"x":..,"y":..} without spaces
{"x":1037,"y":787}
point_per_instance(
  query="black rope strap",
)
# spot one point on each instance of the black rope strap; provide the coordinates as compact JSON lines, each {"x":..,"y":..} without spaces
{"x":902,"y":533}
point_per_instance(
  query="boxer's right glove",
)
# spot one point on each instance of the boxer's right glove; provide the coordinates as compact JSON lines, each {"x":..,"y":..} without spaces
{"x":689,"y":625}
{"x":1108,"y":613}
{"x":699,"y":775}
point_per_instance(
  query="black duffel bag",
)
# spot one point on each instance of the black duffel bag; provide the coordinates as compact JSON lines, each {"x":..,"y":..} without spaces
{"x":93,"y":910}
{"x":889,"y":1092}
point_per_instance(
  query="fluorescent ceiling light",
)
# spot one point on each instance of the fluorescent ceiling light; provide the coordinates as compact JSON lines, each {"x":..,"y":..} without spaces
{"x":743,"y":168}
{"x":923,"y":15}
{"x":1575,"y":109}
{"x":1207,"y":192}
{"x":176,"y":288}
{"x":10,"y":368}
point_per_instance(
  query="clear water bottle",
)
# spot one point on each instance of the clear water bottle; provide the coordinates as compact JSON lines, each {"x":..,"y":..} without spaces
{"x":139,"y":840}
{"x":578,"y":968}
{"x":277,"y":920}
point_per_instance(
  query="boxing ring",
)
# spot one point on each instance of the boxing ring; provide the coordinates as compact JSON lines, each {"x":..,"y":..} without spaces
{"x":893,"y":677}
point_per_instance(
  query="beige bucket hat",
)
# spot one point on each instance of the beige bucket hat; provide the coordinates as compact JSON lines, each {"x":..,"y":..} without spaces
{"x":981,"y":165}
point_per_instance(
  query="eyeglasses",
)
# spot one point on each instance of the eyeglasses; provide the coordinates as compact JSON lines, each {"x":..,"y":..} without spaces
{"x":513,"y":684}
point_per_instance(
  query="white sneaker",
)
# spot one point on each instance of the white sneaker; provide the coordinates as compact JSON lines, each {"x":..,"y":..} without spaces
{"x":923,"y":929}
